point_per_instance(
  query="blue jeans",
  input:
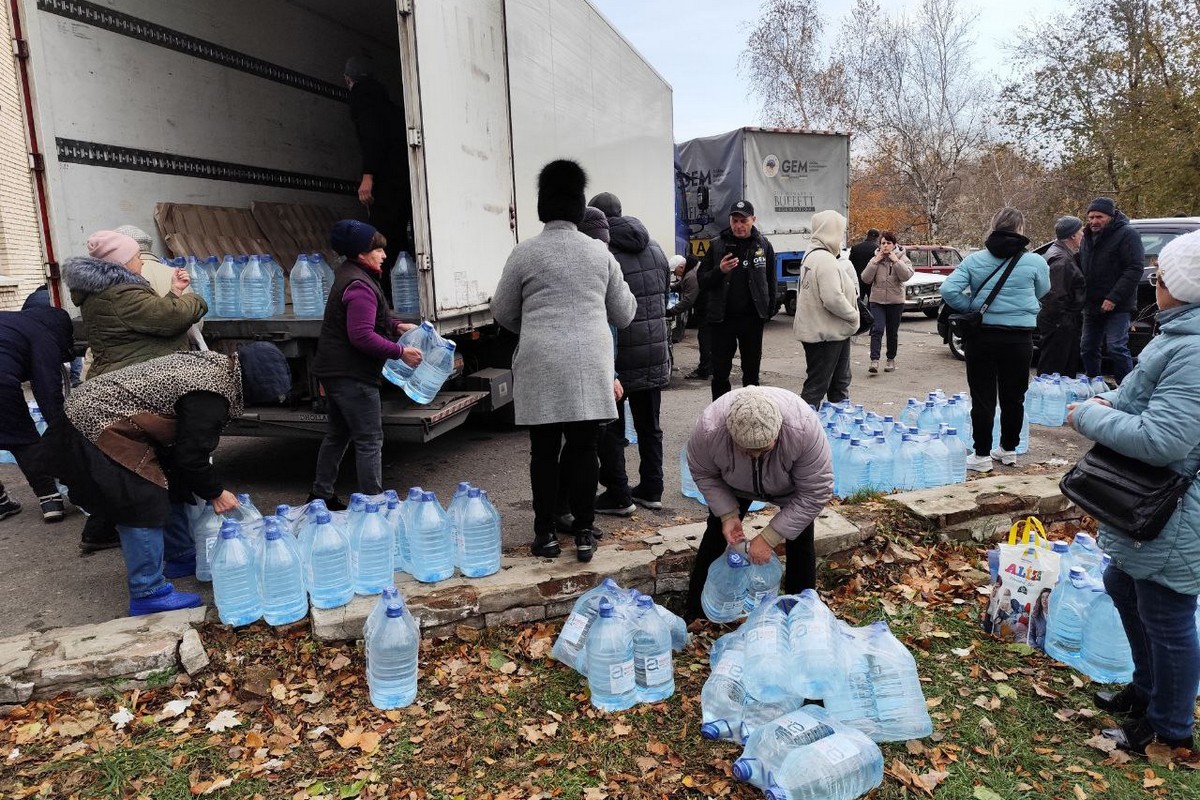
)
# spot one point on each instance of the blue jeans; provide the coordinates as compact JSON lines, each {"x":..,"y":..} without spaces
{"x":1113,"y":329}
{"x":144,"y":548}
{"x":1161,"y":626}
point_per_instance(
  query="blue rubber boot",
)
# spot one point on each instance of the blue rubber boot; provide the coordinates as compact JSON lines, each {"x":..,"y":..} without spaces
{"x":165,"y":599}
{"x":179,"y":569}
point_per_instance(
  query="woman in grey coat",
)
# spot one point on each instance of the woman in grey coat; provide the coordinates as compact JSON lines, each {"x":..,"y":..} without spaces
{"x":560,"y":291}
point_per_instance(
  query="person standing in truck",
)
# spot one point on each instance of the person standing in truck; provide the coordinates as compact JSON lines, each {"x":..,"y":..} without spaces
{"x":358,"y":336}
{"x":384,"y":185}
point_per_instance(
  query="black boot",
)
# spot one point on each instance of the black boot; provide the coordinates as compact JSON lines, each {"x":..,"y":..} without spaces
{"x":98,"y":534}
{"x":1127,"y":702}
{"x":1136,"y":735}
{"x":545,"y":545}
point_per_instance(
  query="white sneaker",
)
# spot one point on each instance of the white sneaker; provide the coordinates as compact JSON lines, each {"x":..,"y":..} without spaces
{"x":979,"y":463}
{"x":1006,"y":457}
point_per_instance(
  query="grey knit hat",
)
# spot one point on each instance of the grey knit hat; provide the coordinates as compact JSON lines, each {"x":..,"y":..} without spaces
{"x":595,"y":224}
{"x":754,"y":419}
{"x":138,"y":235}
{"x":1066,"y":227}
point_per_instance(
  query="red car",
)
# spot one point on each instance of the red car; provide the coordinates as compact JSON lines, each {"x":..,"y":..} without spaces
{"x":937,"y":259}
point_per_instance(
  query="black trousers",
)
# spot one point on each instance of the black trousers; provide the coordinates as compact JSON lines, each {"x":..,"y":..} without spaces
{"x":886,"y":320}
{"x":998,"y":367}
{"x":578,"y":453}
{"x":827,"y":367}
{"x":799,"y":571}
{"x":41,"y":483}
{"x":1059,"y":349}
{"x":744,"y":333}
{"x":704,"y":340}
{"x":645,"y":407}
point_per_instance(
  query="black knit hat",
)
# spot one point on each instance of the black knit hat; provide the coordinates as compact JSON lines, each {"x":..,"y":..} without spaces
{"x":607,"y":202}
{"x":1104,"y":205}
{"x":350,"y":237}
{"x":595,"y":224}
{"x":560,"y":192}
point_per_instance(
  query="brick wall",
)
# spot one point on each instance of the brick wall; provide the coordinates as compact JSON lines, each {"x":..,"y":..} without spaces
{"x":21,"y":257}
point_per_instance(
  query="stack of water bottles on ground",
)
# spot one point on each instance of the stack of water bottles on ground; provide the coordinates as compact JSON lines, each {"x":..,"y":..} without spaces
{"x":274,"y":567}
{"x":925,"y":446}
{"x":254,"y":286}
{"x":422,"y":383}
{"x":768,"y":676}
{"x":621,"y":641}
{"x":1048,"y":396}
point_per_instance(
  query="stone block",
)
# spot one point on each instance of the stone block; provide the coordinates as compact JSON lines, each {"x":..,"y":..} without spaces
{"x":14,"y":691}
{"x":947,"y":506}
{"x":559,"y":609}
{"x":980,"y":529}
{"x":344,"y":623}
{"x":16,"y":653}
{"x":673,"y":582}
{"x":568,"y":587}
{"x":834,"y":533}
{"x":675,"y":562}
{"x":148,"y":654}
{"x":192,"y":655}
{"x":515,"y":616}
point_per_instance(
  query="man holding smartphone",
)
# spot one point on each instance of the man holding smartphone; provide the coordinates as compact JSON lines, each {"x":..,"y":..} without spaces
{"x":738,"y":274}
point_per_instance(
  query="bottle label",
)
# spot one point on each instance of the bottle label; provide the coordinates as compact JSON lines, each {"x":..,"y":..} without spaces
{"x":658,"y":669}
{"x":574,"y":629}
{"x":621,"y":677}
{"x":762,"y":638}
{"x":730,"y":667}
{"x":210,"y":544}
{"x":836,"y":748}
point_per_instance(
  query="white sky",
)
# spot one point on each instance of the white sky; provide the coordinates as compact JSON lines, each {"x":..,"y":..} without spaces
{"x":695,"y":45}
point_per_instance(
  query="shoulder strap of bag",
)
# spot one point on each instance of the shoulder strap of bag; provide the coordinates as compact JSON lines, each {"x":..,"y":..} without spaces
{"x":1008,"y":270}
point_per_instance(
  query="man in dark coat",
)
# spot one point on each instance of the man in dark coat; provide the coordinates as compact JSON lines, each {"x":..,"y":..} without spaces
{"x":861,"y":255}
{"x":384,"y":187}
{"x":34,"y":343}
{"x":643,"y":362}
{"x":1112,"y":259}
{"x":41,"y":297}
{"x":738,"y":272}
{"x":1060,"y":319}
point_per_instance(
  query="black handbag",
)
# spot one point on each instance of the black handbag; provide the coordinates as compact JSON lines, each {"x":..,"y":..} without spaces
{"x":1123,"y":493}
{"x":967,"y":323}
{"x":865,"y":318}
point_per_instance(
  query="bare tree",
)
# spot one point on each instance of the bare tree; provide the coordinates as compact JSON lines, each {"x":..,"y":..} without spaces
{"x":785,"y":62}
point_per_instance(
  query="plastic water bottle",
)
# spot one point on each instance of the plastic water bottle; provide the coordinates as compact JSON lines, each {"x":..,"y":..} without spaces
{"x":308,"y":299}
{"x":321,"y":267}
{"x":1085,"y":552}
{"x":206,"y":531}
{"x":454,"y":511}
{"x":281,"y":577}
{"x":392,"y":659}
{"x":815,"y":645}
{"x":843,"y":766}
{"x":227,"y":291}
{"x":421,"y":337}
{"x":856,"y":469}
{"x":630,"y":430}
{"x":1099,"y":386}
{"x":956,"y":456}
{"x":1035,"y":399}
{"x":278,"y":290}
{"x":327,"y":561}
{"x":430,"y":541}
{"x":371,"y":553}
{"x":1104,"y":655}
{"x":571,"y":644}
{"x":610,"y":662}
{"x":387,"y":597}
{"x":910,"y":473}
{"x":687,"y":484}
{"x":724,"y":593}
{"x":479,"y":534}
{"x":427,"y":379}
{"x":879,"y":692}
{"x":763,"y":580}
{"x":406,"y":296}
{"x":769,"y":744}
{"x":256,"y":290}
{"x":202,"y":280}
{"x":911,"y":413}
{"x":1069,"y":607}
{"x":407,"y":507}
{"x":883,"y":465}
{"x":235,"y":578}
{"x":768,"y":674}
{"x":929,"y":419}
{"x":1054,"y":403}
{"x":394,"y":518}
{"x":723,"y":695}
{"x":937,"y":462}
{"x":653,"y":667}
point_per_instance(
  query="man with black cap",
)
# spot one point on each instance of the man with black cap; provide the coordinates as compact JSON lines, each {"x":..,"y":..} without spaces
{"x":738,"y":272}
{"x":1060,"y":318}
{"x":861,"y":255}
{"x":1112,"y":260}
{"x":384,"y":186}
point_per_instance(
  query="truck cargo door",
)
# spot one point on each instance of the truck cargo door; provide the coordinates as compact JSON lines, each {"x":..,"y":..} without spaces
{"x":456,"y":96}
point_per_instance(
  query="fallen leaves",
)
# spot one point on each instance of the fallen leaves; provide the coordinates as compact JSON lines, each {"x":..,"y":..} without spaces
{"x":120,"y":719}
{"x":365,"y":741}
{"x":223,"y":721}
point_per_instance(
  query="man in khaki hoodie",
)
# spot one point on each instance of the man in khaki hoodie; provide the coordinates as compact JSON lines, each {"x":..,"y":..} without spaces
{"x":826,"y":312}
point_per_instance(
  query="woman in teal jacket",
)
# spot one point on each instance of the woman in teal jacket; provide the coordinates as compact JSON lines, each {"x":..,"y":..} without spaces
{"x":1155,"y":417}
{"x":999,"y":355}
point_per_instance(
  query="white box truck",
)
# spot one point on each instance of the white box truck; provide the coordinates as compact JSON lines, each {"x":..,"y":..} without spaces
{"x":786,"y":174}
{"x":226,"y":102}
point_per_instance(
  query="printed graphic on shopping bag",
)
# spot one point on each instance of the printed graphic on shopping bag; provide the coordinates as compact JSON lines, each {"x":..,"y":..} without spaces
{"x":1025,"y":574}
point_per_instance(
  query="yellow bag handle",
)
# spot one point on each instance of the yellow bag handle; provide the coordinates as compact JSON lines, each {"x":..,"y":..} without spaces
{"x":1029,"y":531}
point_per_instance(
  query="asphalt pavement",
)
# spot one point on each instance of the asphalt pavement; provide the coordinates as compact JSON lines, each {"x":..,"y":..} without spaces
{"x":46,"y":583}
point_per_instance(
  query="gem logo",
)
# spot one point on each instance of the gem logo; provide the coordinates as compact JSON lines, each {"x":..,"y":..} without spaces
{"x":771,"y":166}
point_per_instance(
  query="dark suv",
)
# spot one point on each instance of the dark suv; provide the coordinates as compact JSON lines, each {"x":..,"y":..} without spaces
{"x":1155,"y":233}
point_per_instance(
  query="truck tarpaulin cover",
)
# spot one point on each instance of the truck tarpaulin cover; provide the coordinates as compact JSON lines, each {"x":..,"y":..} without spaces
{"x":786,"y":176}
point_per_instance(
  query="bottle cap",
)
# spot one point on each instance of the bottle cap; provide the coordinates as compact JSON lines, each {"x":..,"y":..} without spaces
{"x":736,"y":559}
{"x":230,"y":530}
{"x":243,"y":498}
{"x":473,"y":492}
{"x":463,"y":486}
{"x":1059,"y":547}
{"x":395,"y":609}
{"x":324,"y":517}
{"x":389,"y":592}
{"x":428,"y":497}
{"x":271,"y":529}
{"x":282,"y":510}
{"x":391,"y":494}
{"x":605,"y":608}
{"x":316,"y":505}
{"x":372,"y":508}
{"x":743,"y":768}
{"x":415,"y":493}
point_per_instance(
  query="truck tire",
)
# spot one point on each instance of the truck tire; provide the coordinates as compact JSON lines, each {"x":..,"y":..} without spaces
{"x":956,"y":347}
{"x":930,"y":312}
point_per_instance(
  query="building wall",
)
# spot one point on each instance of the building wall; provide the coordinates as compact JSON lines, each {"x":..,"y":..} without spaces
{"x":21,"y":257}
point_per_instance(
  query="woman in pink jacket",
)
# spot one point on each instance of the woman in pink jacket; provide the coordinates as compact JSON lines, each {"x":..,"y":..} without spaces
{"x":760,"y":443}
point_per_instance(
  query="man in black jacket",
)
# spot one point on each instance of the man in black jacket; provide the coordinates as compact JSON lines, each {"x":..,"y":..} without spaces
{"x":861,"y":255}
{"x":384,"y":187}
{"x":1060,"y":317}
{"x":738,"y":272}
{"x":1112,"y":259}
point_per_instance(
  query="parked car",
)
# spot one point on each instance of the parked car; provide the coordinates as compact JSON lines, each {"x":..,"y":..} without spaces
{"x":923,"y":292}
{"x":937,"y":259}
{"x":1142,"y":327}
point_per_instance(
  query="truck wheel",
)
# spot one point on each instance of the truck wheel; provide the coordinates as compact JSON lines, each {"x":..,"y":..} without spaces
{"x":956,"y":347}
{"x":931,"y":312}
{"x":789,"y":304}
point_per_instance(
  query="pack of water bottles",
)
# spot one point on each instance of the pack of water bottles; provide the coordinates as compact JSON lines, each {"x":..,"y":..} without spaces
{"x":621,"y":641}
{"x":423,"y":382}
{"x":734,"y":586}
{"x":792,"y":650}
{"x":254,"y":286}
{"x":1048,"y":396}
